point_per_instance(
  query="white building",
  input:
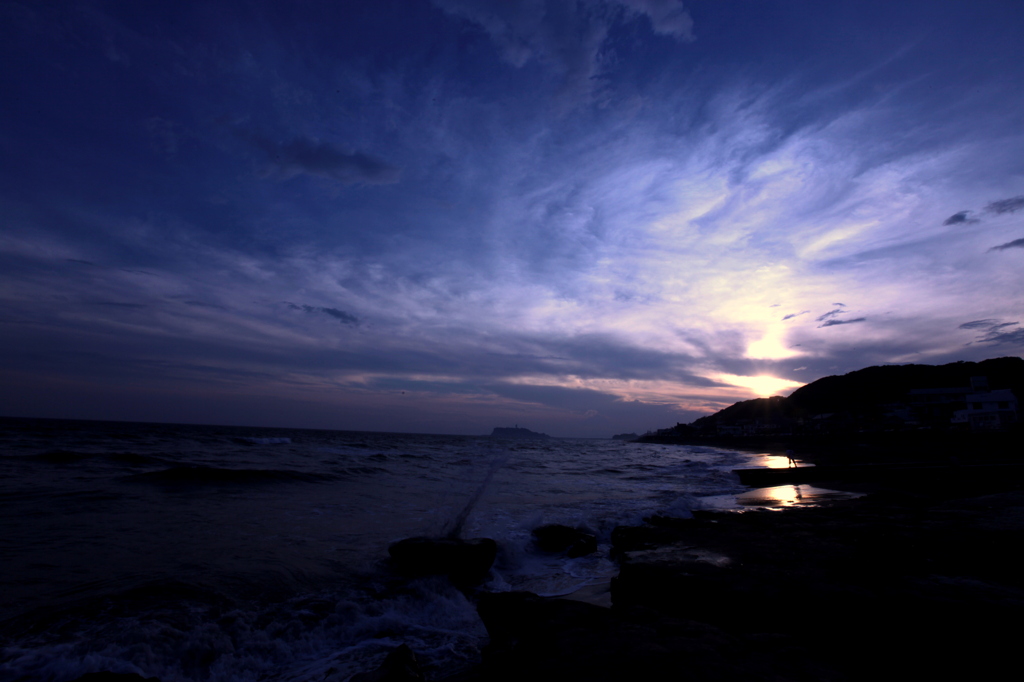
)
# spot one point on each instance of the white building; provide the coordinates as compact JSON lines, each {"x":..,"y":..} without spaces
{"x":988,"y":411}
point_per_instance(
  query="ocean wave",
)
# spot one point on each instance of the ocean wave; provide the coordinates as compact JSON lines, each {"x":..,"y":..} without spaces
{"x":176,"y":630}
{"x":253,"y":440}
{"x":299,"y":590}
{"x":360,"y":470}
{"x":61,"y":456}
{"x":74,"y":456}
{"x":214,"y":475}
{"x":53,"y":496}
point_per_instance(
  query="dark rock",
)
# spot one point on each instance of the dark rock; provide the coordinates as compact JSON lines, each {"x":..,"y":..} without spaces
{"x":916,"y":587}
{"x":585,"y":544}
{"x":400,"y":666}
{"x":689,"y":581}
{"x":531,"y":636}
{"x":465,"y":562}
{"x":555,"y":537}
{"x":880,"y":582}
{"x":632,"y":538}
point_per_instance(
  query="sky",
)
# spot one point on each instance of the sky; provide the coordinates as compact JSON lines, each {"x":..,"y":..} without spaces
{"x":584,"y":217}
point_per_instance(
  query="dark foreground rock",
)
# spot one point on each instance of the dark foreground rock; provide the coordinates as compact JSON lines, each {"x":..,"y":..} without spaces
{"x":569,"y":640}
{"x":560,"y":639}
{"x":894,"y":586}
{"x":465,"y":562}
{"x":916,"y":586}
{"x":399,"y":666}
{"x":555,"y":537}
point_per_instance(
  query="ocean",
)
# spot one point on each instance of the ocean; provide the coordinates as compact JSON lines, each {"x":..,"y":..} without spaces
{"x":230,"y":553}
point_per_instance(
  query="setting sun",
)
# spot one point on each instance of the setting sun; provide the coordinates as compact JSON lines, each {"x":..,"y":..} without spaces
{"x":763,"y":386}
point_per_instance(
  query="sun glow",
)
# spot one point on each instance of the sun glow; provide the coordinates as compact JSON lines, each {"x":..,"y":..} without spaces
{"x":764,"y":386}
{"x":771,"y":347}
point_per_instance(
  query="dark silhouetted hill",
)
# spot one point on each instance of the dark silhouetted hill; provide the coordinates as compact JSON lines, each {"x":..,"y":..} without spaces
{"x":867,"y":392}
{"x":883,"y":401}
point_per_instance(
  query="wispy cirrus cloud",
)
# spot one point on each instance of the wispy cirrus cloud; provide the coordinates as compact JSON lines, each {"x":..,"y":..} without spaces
{"x":830,"y":314}
{"x":596,"y":215}
{"x":1015,"y":244}
{"x":1000,"y":207}
{"x":1011,"y":205}
{"x":299,"y":156}
{"x":565,"y":37}
{"x":995,"y":332}
{"x":340,"y":315}
{"x":833,"y":323}
{"x":960,"y":218}
{"x":667,"y":17}
{"x":1014,"y":337}
{"x":979,"y":324}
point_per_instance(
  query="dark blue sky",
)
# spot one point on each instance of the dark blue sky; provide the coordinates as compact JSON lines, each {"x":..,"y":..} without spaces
{"x":584,"y":217}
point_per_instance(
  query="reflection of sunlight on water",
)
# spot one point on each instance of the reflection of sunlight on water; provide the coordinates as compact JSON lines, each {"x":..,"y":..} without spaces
{"x":777,"y":496}
{"x":770,"y":461}
{"x":790,"y":495}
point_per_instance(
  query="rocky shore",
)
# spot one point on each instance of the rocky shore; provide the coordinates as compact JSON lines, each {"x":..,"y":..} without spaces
{"x":880,"y":447}
{"x":896,"y":584}
{"x":892,"y":584}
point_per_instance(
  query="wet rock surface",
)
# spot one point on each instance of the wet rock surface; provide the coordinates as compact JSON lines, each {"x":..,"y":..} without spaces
{"x":892,"y":585}
{"x":567,"y":640}
{"x":399,"y":666}
{"x":895,"y":585}
{"x":555,"y":537}
{"x":465,"y":562}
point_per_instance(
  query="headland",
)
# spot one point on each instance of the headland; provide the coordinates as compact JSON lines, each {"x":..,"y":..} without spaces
{"x":517,"y":433}
{"x":915,"y":579}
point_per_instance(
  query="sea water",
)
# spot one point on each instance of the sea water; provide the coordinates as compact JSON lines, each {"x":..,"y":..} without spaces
{"x":229,"y":553}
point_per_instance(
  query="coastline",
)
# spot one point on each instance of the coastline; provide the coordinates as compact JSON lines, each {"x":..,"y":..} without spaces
{"x":864,"y":447}
{"x":910,"y":582}
{"x":905,"y":583}
{"x":793,"y":591}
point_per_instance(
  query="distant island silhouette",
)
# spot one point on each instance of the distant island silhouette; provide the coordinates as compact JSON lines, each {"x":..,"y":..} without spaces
{"x":517,"y":433}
